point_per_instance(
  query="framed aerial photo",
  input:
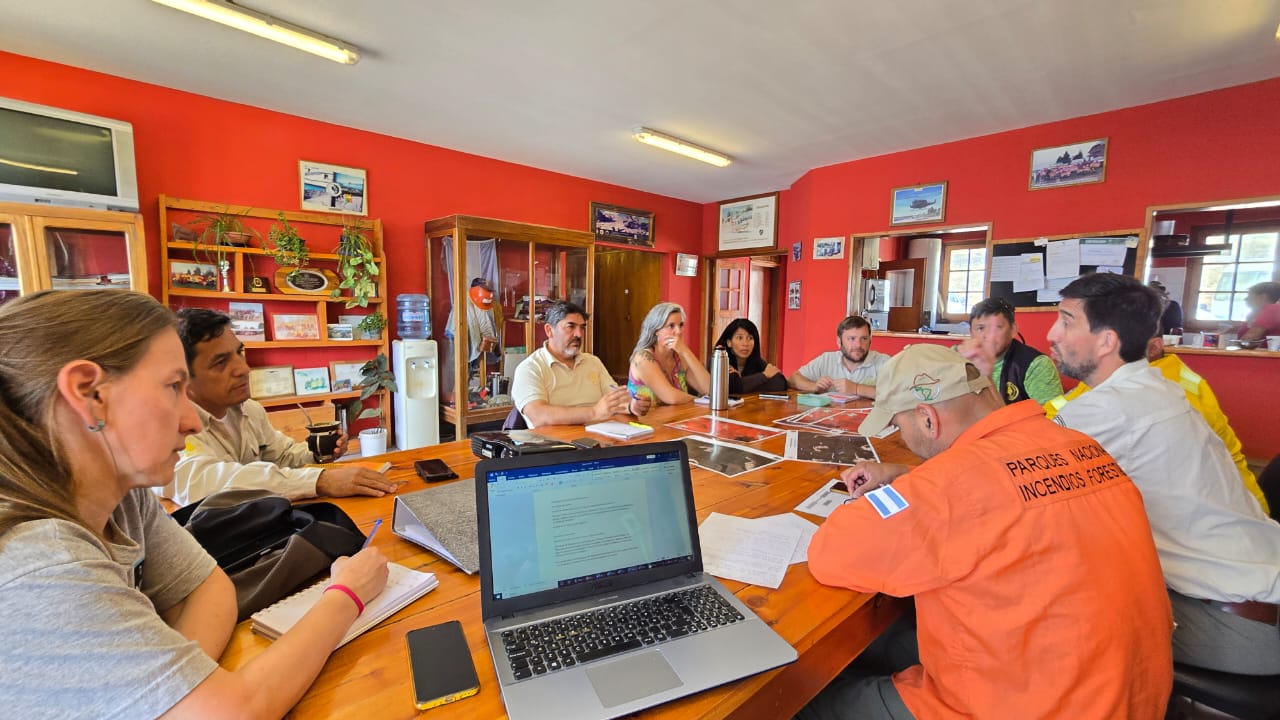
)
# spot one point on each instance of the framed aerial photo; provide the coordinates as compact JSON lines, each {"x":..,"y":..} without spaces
{"x":919,"y":204}
{"x":749,"y":223}
{"x":615,"y":224}
{"x":333,"y":188}
{"x":1074,"y":164}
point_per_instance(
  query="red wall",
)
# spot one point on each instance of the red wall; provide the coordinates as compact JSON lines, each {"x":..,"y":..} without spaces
{"x":1206,"y":147}
{"x":196,"y":147}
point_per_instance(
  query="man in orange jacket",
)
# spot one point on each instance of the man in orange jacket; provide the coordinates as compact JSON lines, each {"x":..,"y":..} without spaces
{"x":1037,"y":588}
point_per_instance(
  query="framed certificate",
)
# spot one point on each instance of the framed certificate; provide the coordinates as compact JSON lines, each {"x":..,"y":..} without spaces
{"x":271,"y":381}
{"x":748,"y":224}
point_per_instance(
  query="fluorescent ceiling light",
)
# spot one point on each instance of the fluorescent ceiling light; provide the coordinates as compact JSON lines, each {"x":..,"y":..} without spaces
{"x":681,"y":147}
{"x":266,"y":26}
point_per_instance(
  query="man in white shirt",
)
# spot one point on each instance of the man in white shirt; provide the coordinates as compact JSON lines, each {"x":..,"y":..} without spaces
{"x":238,"y":447}
{"x":1219,"y":552}
{"x":851,"y":369}
{"x":559,"y":384}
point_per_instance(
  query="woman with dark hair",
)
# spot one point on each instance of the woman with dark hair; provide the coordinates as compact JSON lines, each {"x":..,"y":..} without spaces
{"x":748,"y":371}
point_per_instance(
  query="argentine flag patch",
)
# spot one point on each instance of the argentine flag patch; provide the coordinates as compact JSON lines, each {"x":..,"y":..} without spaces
{"x":886,"y":501}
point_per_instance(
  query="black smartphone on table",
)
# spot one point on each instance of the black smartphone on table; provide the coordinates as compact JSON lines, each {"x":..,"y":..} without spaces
{"x":434,"y":470}
{"x":441,"y":665}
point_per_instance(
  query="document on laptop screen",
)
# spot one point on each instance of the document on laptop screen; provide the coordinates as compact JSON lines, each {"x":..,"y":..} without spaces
{"x":564,"y":524}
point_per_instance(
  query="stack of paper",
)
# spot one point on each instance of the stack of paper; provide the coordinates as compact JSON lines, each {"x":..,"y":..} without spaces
{"x":755,"y":551}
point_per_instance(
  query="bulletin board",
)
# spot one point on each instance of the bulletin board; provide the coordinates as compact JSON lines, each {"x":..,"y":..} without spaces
{"x":1028,"y":272}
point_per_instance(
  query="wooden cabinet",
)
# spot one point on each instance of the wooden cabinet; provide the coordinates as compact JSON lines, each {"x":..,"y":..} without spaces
{"x":43,"y":247}
{"x":528,"y":267}
{"x":193,"y":278}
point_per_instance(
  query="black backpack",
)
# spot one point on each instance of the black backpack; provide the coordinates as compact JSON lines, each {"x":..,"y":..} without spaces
{"x":266,"y":545}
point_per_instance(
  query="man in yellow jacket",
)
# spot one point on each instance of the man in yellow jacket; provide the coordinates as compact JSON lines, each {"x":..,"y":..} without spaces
{"x":1201,"y":397}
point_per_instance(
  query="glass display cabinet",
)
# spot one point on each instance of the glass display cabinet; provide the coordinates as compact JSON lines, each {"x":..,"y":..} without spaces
{"x":44,"y":247}
{"x":490,"y":282}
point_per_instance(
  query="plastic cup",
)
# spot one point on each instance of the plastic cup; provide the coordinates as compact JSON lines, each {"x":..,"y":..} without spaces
{"x":1170,"y":340}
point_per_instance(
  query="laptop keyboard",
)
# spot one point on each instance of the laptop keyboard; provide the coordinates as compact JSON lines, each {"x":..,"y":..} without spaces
{"x":594,"y":634}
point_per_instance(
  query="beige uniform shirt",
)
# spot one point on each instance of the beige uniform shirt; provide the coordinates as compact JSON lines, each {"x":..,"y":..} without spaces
{"x":541,"y":377}
{"x":241,"y":450}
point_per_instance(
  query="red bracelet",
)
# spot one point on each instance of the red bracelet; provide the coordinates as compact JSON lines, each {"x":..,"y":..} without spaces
{"x":350,"y":593}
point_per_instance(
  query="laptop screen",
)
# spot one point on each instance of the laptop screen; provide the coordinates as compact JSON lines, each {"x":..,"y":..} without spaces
{"x":559,"y":525}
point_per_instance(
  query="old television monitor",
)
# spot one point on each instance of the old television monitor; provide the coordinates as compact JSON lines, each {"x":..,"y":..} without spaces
{"x":58,"y":157}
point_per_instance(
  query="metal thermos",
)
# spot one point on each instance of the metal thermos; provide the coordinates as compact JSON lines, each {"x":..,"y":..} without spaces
{"x":719,"y":380}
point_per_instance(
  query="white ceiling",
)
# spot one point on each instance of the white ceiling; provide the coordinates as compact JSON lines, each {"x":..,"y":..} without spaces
{"x":781,"y":86}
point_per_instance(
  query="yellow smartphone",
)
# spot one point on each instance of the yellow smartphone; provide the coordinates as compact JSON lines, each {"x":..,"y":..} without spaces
{"x":441,"y":665}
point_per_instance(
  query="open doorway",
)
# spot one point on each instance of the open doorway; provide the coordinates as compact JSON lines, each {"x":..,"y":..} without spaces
{"x":745,"y":287}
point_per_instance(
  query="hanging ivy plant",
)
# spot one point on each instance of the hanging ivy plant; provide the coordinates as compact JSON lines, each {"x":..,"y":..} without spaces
{"x":357,"y":268}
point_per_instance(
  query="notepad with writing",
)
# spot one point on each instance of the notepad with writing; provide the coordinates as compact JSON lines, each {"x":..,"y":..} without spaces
{"x":620,"y":430}
{"x":441,"y":519}
{"x":403,"y":587}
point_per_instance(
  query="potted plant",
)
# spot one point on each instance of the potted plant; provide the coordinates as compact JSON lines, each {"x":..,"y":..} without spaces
{"x":357,"y":266}
{"x":286,"y":246}
{"x":371,"y":326}
{"x":375,"y":376}
{"x":221,"y":230}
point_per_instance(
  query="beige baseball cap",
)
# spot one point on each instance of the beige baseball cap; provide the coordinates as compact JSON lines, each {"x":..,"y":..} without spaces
{"x":919,"y":374}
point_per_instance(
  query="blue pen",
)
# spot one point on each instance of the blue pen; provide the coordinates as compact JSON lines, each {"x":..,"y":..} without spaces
{"x":376,"y":524}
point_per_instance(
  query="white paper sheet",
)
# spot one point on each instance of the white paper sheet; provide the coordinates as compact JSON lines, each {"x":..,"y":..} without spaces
{"x":1030,"y":272}
{"x":737,"y":548}
{"x":1102,"y":253}
{"x":789,"y":520}
{"x":1051,"y":289}
{"x":823,"y":502}
{"x":1062,"y":259}
{"x":1005,"y":269}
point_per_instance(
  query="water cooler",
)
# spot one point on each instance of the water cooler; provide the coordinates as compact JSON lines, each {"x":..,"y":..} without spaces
{"x":417,"y":402}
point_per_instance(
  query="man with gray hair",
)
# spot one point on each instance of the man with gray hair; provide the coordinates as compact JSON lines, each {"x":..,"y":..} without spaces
{"x":559,"y":384}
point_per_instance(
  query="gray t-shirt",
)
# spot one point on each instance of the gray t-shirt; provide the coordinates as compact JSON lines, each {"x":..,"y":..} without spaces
{"x":830,"y":364}
{"x":80,"y":630}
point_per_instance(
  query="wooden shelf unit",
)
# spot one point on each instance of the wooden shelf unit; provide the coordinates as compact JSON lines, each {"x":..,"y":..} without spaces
{"x":244,"y":261}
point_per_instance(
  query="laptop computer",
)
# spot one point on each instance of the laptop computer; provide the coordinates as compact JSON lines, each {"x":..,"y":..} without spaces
{"x":594,"y":600}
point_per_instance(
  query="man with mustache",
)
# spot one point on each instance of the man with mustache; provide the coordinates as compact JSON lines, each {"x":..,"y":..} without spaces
{"x":559,"y":384}
{"x":1219,"y":551}
{"x":851,"y":369}
{"x":238,"y":447}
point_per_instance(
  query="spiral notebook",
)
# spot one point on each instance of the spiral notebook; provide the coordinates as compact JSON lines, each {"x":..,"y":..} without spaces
{"x":403,"y":587}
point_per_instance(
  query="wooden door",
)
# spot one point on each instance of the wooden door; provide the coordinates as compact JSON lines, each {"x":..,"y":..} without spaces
{"x":730,"y":292}
{"x":627,"y":284}
{"x":906,"y":292}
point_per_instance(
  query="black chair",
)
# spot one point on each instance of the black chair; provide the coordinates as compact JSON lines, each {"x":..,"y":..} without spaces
{"x":1248,"y":697}
{"x":514,"y":421}
{"x":1269,"y":481}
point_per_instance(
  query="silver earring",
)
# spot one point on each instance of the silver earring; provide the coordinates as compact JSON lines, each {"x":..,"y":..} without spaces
{"x":97,"y":426}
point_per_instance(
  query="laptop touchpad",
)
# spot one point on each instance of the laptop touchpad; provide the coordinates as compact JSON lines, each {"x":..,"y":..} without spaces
{"x":632,"y":678}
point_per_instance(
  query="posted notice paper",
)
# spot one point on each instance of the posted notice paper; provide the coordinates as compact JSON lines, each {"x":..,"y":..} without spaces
{"x":736,"y":548}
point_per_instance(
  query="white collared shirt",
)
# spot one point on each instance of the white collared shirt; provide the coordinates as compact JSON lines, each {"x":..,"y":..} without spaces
{"x":831,"y":364}
{"x":1213,"y":539}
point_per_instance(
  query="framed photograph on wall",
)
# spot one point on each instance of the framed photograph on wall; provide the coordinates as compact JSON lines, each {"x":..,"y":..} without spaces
{"x":345,"y":375}
{"x":1074,"y":164}
{"x":749,"y":223}
{"x":919,"y":204}
{"x":311,"y":381}
{"x":793,"y":295}
{"x":295,"y":327}
{"x":615,"y":224}
{"x":797,"y":251}
{"x":686,"y":265}
{"x":333,"y":188}
{"x":270,"y":381}
{"x":828,"y":248}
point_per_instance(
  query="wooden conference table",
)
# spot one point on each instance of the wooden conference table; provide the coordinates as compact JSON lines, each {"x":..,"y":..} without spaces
{"x":369,"y":677}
